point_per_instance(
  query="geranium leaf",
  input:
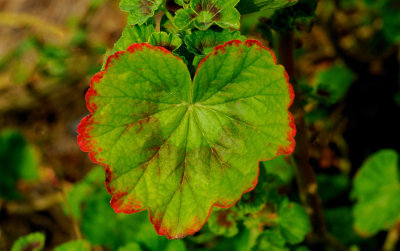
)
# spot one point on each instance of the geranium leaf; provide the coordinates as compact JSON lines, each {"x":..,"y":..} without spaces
{"x":33,"y":241}
{"x":77,"y":245}
{"x":170,"y":41}
{"x":177,"y":147}
{"x":139,"y":10}
{"x":223,"y":222}
{"x":377,"y":189}
{"x":204,"y":13}
{"x":202,"y":43}
{"x":184,"y":3}
{"x":293,"y":222}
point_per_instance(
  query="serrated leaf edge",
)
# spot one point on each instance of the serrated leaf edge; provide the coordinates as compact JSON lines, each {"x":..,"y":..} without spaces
{"x":86,"y":125}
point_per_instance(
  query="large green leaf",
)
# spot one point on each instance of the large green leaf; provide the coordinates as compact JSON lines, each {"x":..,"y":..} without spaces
{"x":377,"y":190}
{"x":204,"y":13}
{"x":177,"y":147}
{"x":139,"y":10}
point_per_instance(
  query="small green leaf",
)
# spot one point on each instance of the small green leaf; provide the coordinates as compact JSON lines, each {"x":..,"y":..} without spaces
{"x":280,"y":167}
{"x":33,"y":242}
{"x":332,"y":186}
{"x":202,"y":43}
{"x":18,"y":161}
{"x":271,"y":240}
{"x":339,"y":222}
{"x":133,"y":246}
{"x":76,"y":245}
{"x":377,"y":190}
{"x":139,"y":10}
{"x":170,"y":41}
{"x":130,"y":35}
{"x":333,"y":83}
{"x":184,"y":3}
{"x":293,"y":222}
{"x":178,"y":147}
{"x":250,"y":6}
{"x":223,"y":222}
{"x":204,"y":13}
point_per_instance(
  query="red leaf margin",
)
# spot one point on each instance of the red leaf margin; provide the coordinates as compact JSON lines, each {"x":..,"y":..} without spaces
{"x":87,"y":144}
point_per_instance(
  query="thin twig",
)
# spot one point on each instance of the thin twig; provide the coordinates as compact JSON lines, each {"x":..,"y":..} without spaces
{"x":305,"y":175}
{"x":392,"y":238}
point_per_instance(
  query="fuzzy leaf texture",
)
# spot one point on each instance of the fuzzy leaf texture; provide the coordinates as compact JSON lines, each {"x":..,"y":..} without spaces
{"x":178,"y":147}
{"x":377,"y":190}
{"x":203,"y":13}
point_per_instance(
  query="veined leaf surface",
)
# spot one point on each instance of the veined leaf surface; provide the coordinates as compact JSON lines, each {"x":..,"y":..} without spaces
{"x":178,"y":147}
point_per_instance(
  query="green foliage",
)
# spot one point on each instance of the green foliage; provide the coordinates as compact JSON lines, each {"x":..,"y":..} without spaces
{"x":130,"y":35}
{"x":140,"y":10}
{"x":377,"y":190}
{"x":388,"y":10}
{"x":333,"y":83}
{"x":190,"y":139}
{"x":117,"y":230}
{"x":33,"y":242}
{"x":170,"y":41}
{"x":293,"y":222}
{"x":201,"y":43}
{"x":340,"y":224}
{"x":77,"y":245}
{"x":223,"y":222}
{"x":332,"y":186}
{"x":203,"y":13}
{"x":251,"y":6}
{"x":18,"y":162}
{"x":281,"y":167}
{"x":288,"y":18}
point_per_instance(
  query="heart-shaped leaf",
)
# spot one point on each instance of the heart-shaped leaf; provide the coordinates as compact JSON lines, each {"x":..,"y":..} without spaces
{"x":203,"y":13}
{"x":178,"y":147}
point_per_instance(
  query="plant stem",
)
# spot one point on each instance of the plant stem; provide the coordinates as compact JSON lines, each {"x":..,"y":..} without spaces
{"x":392,"y":238}
{"x":75,"y":224}
{"x":305,"y":174}
{"x":168,"y":15}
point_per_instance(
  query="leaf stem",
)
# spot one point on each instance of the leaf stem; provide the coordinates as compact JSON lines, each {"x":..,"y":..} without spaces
{"x":168,"y":15}
{"x":305,"y":174}
{"x":392,"y":238}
